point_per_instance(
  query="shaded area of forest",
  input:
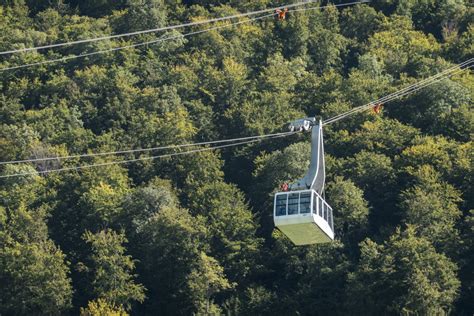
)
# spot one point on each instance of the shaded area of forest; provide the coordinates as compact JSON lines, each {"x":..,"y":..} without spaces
{"x":194,"y":234}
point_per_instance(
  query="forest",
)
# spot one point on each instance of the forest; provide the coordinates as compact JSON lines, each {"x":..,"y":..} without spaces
{"x":193,"y":234}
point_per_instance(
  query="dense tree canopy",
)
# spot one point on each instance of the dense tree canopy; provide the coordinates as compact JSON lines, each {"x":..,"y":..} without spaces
{"x":193,"y":234}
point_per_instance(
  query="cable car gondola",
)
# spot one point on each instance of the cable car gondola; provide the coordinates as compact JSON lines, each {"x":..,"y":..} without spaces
{"x":300,"y":211}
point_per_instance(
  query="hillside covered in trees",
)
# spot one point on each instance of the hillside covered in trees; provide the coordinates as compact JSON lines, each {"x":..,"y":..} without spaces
{"x":193,"y":234}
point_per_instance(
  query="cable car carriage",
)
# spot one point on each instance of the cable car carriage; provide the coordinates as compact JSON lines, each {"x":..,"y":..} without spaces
{"x":300,"y":211}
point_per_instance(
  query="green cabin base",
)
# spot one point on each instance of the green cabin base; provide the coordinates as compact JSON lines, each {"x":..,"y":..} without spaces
{"x":305,"y":234}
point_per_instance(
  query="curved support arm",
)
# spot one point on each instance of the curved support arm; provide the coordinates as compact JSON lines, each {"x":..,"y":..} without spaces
{"x":316,"y":175}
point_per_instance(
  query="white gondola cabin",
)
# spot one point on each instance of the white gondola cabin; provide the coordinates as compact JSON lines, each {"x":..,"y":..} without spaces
{"x":301,"y":213}
{"x":304,"y":217}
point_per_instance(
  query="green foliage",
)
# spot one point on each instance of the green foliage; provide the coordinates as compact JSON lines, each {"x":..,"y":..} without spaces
{"x":310,"y":275}
{"x":351,"y":209}
{"x":466,"y":274}
{"x":281,"y":166}
{"x":360,"y":22}
{"x":369,"y":169}
{"x":196,"y":230}
{"x":231,"y":227}
{"x":16,"y":141}
{"x":87,"y":201}
{"x":269,"y":108}
{"x":198,"y":170}
{"x":398,"y":47}
{"x":143,"y":15}
{"x":34,"y":275}
{"x":404,"y":275}
{"x":326,"y":45}
{"x":34,"y":278}
{"x":96,"y":7}
{"x":431,"y":206}
{"x":111,"y":269}
{"x":443,"y":108}
{"x":462,"y":45}
{"x":436,"y":151}
{"x":258,"y":300}
{"x":205,"y":282}
{"x":386,"y":136}
{"x":144,"y":202}
{"x":100,"y":307}
{"x":173,"y":258}
{"x":367,"y":82}
{"x":433,"y":15}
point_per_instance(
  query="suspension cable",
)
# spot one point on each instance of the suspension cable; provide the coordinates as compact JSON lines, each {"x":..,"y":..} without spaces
{"x":408,"y":89}
{"x":154,"y":30}
{"x":251,"y":139}
{"x":396,"y":95}
{"x":163,"y":39}
{"x":109,"y":163}
{"x":405,"y":91}
{"x":141,"y":150}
